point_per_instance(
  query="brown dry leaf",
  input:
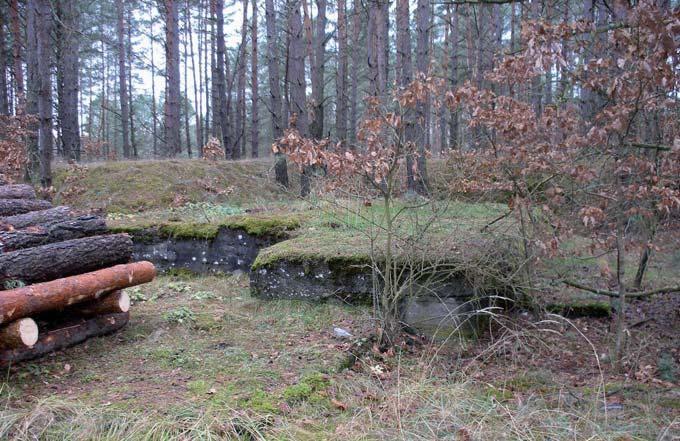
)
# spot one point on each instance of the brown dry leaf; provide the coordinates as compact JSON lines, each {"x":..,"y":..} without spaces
{"x":338,"y":404}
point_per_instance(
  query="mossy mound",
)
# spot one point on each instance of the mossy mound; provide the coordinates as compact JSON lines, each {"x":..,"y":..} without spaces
{"x":136,"y":186}
{"x":332,"y":248}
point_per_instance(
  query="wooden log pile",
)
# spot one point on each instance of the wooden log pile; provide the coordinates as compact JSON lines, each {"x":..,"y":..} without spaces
{"x":61,"y":276}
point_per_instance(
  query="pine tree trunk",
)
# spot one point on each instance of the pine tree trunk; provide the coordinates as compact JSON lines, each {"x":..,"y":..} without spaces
{"x":62,"y":293}
{"x":11,"y":207}
{"x":453,"y":78}
{"x":29,"y":219}
{"x":423,"y":108}
{"x":44,"y":234}
{"x":341,"y":79}
{"x":33,"y":89}
{"x":17,"y":191}
{"x":122,"y":79}
{"x":4,"y":98}
{"x":316,"y":128}
{"x":255,"y":118}
{"x":52,"y":261}
{"x":280,"y":167}
{"x":185,"y":54}
{"x":240,"y":122}
{"x":356,"y":63}
{"x":154,"y":112}
{"x":133,"y":143}
{"x":296,"y":77}
{"x":172,"y":140}
{"x":197,"y":93}
{"x":68,"y":335}
{"x":404,"y":78}
{"x":219,"y":91}
{"x":16,"y":56}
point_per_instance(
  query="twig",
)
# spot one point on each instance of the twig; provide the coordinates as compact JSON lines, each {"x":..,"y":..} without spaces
{"x":604,"y":292}
{"x":498,"y":219}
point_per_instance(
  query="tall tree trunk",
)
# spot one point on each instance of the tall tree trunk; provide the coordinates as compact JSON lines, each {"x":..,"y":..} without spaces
{"x":185,"y":41}
{"x":44,"y":53}
{"x":154,"y":112}
{"x":356,"y":64}
{"x":172,"y":96}
{"x":378,"y":27}
{"x":197,"y":94}
{"x":254,"y":112}
{"x":17,"y":70}
{"x":33,"y":89}
{"x":317,"y":71}
{"x":68,"y":66}
{"x":4,"y":96}
{"x":453,"y":79}
{"x":240,"y":121}
{"x":341,"y":79}
{"x":423,"y":108}
{"x":296,"y":76}
{"x":404,"y":78}
{"x":280,"y":167}
{"x":122,"y":78}
{"x":129,"y":54}
{"x":208,"y":91}
{"x":219,"y":86}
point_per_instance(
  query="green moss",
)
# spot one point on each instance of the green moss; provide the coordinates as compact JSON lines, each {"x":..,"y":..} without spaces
{"x":264,"y":226}
{"x":585,"y":309}
{"x":297,"y":393}
{"x":336,"y":248}
{"x":139,"y":233}
{"x":309,"y":388}
{"x":132,"y":187}
{"x":261,"y":402}
{"x":189,"y":231}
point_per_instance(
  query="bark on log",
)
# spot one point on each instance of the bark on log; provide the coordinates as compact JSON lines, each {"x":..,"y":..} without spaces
{"x":32,"y":218}
{"x":17,"y":191}
{"x":19,"y":334}
{"x":62,"y":259}
{"x":10,"y":207}
{"x":114,"y":303}
{"x":59,"y":231}
{"x":69,"y":335}
{"x":43,"y":297}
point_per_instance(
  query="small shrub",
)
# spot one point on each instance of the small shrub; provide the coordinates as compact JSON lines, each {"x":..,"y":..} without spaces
{"x":181,"y":316}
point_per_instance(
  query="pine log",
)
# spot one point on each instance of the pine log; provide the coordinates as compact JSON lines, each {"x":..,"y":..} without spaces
{"x":59,"y":231}
{"x":10,"y":207}
{"x":17,"y":191}
{"x":21,"y":333}
{"x":69,"y":335}
{"x":58,"y":294}
{"x":62,"y":259}
{"x":32,"y":218}
{"x":114,"y":303}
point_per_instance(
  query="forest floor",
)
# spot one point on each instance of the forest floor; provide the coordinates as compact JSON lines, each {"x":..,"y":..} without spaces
{"x":202,"y":359}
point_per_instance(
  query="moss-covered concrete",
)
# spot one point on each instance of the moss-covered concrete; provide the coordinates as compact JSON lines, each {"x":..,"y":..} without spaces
{"x":329,"y":247}
{"x":270,"y":225}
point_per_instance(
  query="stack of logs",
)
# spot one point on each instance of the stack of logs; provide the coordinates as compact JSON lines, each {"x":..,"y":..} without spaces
{"x":61,"y":276}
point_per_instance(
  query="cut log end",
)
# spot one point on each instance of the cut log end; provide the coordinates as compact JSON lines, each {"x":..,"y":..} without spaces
{"x":22,"y":333}
{"x":124,"y":302}
{"x":28,"y":330}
